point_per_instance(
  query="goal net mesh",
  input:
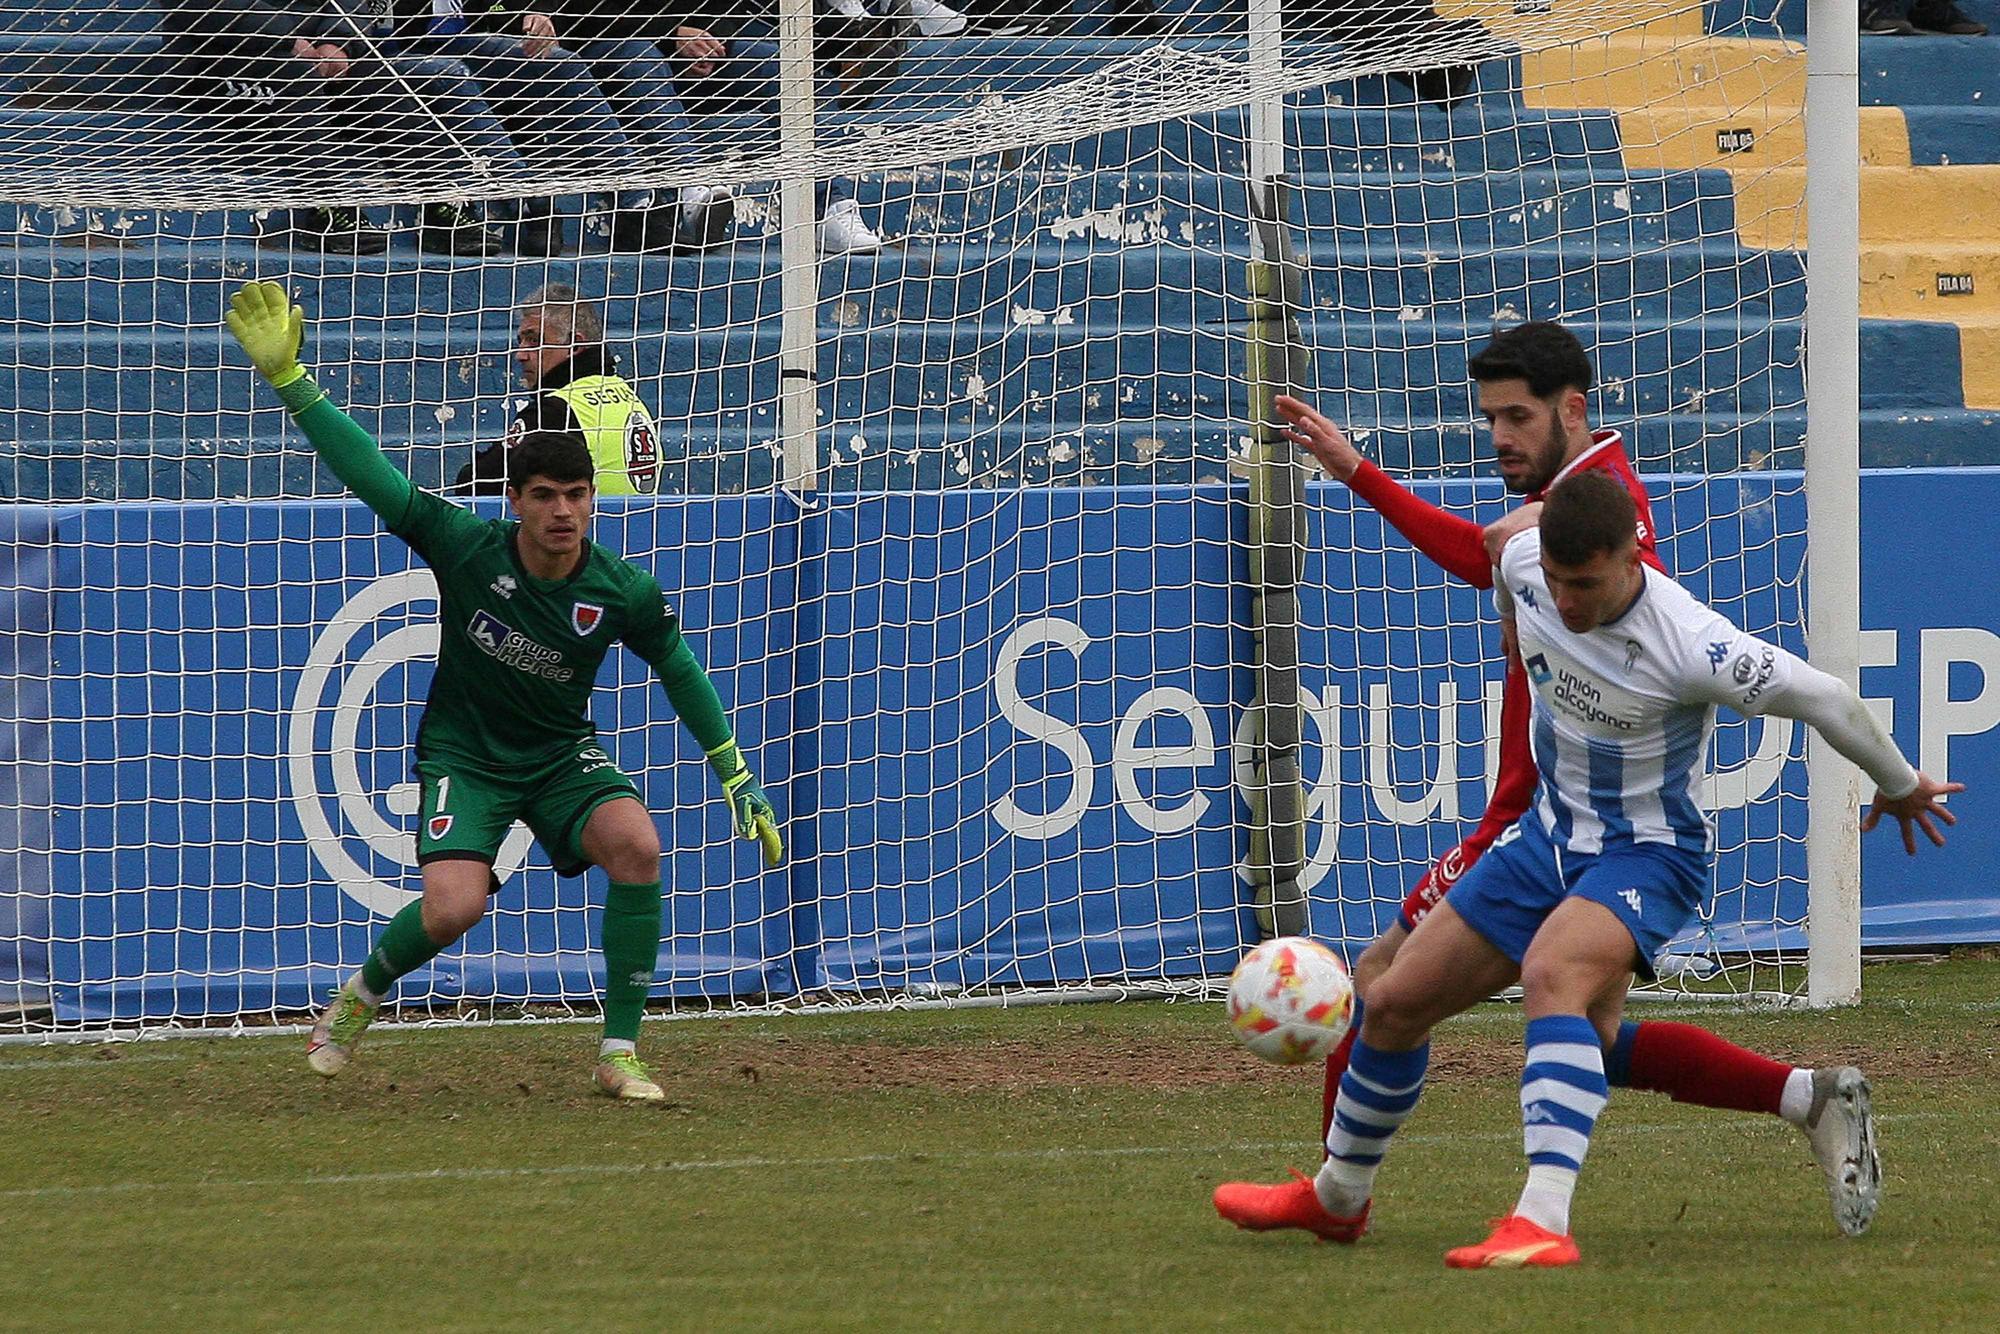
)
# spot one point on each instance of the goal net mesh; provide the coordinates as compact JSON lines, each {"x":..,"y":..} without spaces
{"x":995,"y":654}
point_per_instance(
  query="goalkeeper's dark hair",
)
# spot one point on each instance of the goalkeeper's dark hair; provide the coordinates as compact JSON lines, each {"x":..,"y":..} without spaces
{"x":1586,"y":515}
{"x":1541,"y":352}
{"x":560,"y":456}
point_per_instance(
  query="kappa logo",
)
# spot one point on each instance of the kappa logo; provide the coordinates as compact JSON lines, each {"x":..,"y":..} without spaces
{"x":1536,"y":1114}
{"x":1632,"y":900}
{"x":1538,"y":670}
{"x":439,"y":826}
{"x":584,"y":617}
{"x":1718,"y":653}
{"x":1526,"y":594}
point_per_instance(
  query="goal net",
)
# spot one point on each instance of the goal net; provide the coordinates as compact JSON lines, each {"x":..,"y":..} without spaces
{"x":962,"y":483}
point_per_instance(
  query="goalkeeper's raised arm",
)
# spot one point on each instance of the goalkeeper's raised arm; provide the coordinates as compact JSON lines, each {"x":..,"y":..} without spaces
{"x":272,"y":330}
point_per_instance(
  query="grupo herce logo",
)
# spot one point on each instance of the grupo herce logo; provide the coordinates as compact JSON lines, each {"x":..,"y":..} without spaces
{"x":364,"y":832}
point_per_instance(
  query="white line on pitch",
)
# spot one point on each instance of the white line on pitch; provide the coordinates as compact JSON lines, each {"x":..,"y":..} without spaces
{"x":95,"y":1062}
{"x":914,"y":1156}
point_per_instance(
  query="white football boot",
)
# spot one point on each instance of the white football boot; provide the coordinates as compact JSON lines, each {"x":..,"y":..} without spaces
{"x":1841,"y":1128}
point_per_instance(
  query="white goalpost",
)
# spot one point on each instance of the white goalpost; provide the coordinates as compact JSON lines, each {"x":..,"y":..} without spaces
{"x":1068,"y":679}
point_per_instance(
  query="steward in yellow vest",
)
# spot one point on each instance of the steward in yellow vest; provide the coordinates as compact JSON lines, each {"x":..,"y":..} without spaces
{"x":586,"y":395}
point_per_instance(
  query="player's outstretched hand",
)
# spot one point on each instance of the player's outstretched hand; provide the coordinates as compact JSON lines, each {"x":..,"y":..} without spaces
{"x":1925,"y":801}
{"x":749,"y":809}
{"x":270,"y":328}
{"x":1319,"y":437}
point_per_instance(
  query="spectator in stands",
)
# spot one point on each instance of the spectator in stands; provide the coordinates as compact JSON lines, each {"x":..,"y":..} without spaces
{"x":667,"y":65}
{"x":297,"y":89}
{"x":556,"y":113}
{"x":1115,"y":18}
{"x":574,"y":386}
{"x":1906,"y":18}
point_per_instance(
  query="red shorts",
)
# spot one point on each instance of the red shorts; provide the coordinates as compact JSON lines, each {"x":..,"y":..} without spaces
{"x":1438,"y":880}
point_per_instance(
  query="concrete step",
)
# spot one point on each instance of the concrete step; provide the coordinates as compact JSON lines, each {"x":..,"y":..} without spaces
{"x":1122,"y":209}
{"x":1141,"y":287}
{"x":1652,"y":70}
{"x":1950,"y":204}
{"x":733,"y":458}
{"x":1932,"y":71}
{"x":1688,"y":135}
{"x":1473,"y":137}
{"x":24,"y":17}
{"x":193,"y":384}
{"x":1953,"y":136}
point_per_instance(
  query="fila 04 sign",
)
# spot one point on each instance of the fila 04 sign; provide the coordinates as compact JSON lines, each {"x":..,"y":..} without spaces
{"x":1005,"y":731}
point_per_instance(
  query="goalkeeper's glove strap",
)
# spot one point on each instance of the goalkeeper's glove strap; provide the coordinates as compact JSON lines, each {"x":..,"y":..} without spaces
{"x":297,"y":391}
{"x":727,"y":759}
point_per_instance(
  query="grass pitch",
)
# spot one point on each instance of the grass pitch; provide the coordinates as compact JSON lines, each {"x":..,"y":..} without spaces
{"x":1043,"y":1168}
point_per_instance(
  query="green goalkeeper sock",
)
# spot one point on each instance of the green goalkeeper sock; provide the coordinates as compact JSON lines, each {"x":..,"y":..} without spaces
{"x":404,"y":947}
{"x":631,"y":952}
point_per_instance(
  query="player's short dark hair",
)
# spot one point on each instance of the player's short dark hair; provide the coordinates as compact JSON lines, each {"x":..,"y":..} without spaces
{"x":560,"y":456}
{"x":1585,"y":515}
{"x":1541,"y":352}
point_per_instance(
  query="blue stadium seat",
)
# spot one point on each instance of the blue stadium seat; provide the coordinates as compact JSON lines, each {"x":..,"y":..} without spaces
{"x":1123,"y":253}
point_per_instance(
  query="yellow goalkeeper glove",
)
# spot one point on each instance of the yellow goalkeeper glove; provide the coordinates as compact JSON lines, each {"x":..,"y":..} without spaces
{"x":749,"y":809}
{"x":271,"y":330}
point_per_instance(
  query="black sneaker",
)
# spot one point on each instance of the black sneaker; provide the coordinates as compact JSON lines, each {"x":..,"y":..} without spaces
{"x":707,"y":213}
{"x":1945,"y":17}
{"x":638,"y":230}
{"x":1882,"y":21}
{"x":1137,"y":24}
{"x":454,"y":229}
{"x":331,"y":231}
{"x":1446,"y":85}
{"x":540,"y":236}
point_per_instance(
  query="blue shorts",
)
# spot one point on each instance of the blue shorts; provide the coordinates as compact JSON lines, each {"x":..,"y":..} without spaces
{"x":1654,"y":889}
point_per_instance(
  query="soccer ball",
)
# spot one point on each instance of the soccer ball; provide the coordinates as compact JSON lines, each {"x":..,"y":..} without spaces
{"x":1291,"y":1000}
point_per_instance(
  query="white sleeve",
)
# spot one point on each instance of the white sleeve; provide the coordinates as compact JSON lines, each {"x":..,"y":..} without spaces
{"x":1726,"y":666}
{"x":1524,"y":545}
{"x":1746,"y":674}
{"x":1840,"y":715}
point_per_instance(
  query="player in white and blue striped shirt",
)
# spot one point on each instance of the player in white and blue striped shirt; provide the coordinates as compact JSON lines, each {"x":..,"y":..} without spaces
{"x":1609,"y":864}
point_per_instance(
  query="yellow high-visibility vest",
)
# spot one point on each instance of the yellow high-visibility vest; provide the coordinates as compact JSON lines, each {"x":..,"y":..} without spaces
{"x":624,"y":447}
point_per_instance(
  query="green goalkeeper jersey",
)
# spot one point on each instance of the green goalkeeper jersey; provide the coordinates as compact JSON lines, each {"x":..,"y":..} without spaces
{"x":518,"y":656}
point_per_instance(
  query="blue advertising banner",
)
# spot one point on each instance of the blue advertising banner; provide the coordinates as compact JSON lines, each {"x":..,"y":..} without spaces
{"x":1002,"y":727}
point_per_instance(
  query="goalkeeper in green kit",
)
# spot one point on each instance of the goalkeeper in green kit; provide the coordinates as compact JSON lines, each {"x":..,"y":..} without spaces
{"x":527,"y":610}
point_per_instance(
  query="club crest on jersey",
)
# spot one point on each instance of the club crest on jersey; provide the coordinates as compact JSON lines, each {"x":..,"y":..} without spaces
{"x":1538,"y":670}
{"x":584,"y":616}
{"x":440,"y":825}
{"x":1633,"y":648}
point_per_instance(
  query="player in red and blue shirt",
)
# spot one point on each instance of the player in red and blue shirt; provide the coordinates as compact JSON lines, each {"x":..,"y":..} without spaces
{"x":1533,"y":382}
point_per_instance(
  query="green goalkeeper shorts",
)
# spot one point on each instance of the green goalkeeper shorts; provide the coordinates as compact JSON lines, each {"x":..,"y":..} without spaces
{"x":467,"y":808}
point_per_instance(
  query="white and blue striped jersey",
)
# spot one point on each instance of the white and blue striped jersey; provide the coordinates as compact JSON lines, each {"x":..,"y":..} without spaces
{"x":1623,"y":714}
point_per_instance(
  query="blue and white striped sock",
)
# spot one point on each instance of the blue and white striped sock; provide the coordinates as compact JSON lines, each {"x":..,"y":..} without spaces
{"x":1562,"y":1091}
{"x":1378,"y":1092}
